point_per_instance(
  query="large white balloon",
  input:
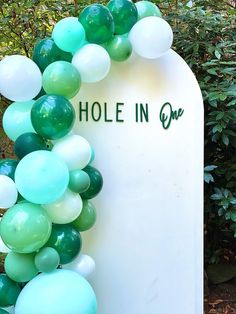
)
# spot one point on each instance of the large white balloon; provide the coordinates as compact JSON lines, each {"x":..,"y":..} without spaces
{"x":8,"y":192}
{"x":20,"y":78}
{"x":93,"y":63}
{"x":74,"y":150}
{"x":66,"y":209}
{"x":82,"y":264}
{"x":151,"y":37}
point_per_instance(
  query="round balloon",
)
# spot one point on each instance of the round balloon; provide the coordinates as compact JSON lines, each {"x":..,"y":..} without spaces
{"x":69,"y":34}
{"x":47,"y":260}
{"x":41,"y":177}
{"x":79,"y":181}
{"x":82,"y":264}
{"x":20,"y":78}
{"x":93,"y":63}
{"x":25,"y":227}
{"x":47,"y":52}
{"x":151,"y":37}
{"x":9,"y":291}
{"x":60,"y":292}
{"x":20,"y":267}
{"x":147,"y":8}
{"x":17,"y":120}
{"x":119,"y":48}
{"x":66,"y":209}
{"x":66,"y":241}
{"x":124,"y":13}
{"x":98,"y":23}
{"x":61,"y":78}
{"x":96,"y":183}
{"x":8,"y":167}
{"x":87,"y":218}
{"x":74,"y":150}
{"x":52,"y":116}
{"x":8,"y":192}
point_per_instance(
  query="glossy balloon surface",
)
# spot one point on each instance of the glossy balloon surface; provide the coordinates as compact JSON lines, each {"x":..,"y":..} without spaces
{"x":79,"y":181}
{"x":96,"y":183}
{"x":147,"y":8}
{"x":8,"y":192}
{"x":8,"y":167}
{"x":47,"y":260}
{"x":87,"y":218}
{"x":119,"y":48}
{"x":52,"y":116}
{"x":9,"y":291}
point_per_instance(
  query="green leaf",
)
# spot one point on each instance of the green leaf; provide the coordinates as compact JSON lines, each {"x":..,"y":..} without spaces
{"x":221,"y":273}
{"x":225,"y":139}
{"x":210,"y":168}
{"x":208,"y":177}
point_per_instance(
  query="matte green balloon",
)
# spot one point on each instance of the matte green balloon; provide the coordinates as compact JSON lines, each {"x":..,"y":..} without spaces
{"x":147,"y":8}
{"x":79,"y":181}
{"x":9,"y":291}
{"x":8,"y":167}
{"x":87,"y":218}
{"x":25,"y":227}
{"x":52,"y":116}
{"x":98,"y":23}
{"x":125,"y":15}
{"x":66,"y":240}
{"x":96,"y":183}
{"x":61,"y":78}
{"x":47,"y":260}
{"x":20,"y":267}
{"x":47,"y":52}
{"x":28,"y":143}
{"x":119,"y":48}
{"x":3,"y":311}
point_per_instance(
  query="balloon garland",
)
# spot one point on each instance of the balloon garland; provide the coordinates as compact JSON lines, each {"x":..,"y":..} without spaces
{"x":47,"y":191}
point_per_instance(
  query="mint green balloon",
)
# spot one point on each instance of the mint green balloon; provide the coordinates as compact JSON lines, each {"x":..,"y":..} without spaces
{"x":79,"y":181}
{"x":147,"y":8}
{"x":16,"y":119}
{"x":41,"y":177}
{"x":47,"y":260}
{"x":119,"y":48}
{"x":20,"y":267}
{"x":25,"y":227}
{"x":61,"y":78}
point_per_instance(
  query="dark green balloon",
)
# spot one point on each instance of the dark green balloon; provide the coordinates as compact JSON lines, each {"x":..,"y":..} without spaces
{"x":125,"y":15}
{"x":66,"y":240}
{"x":28,"y":143}
{"x":9,"y":291}
{"x":98,"y":23}
{"x":119,"y":48}
{"x":52,"y":116}
{"x":47,"y":52}
{"x":87,"y":218}
{"x":8,"y":167}
{"x":96,"y":183}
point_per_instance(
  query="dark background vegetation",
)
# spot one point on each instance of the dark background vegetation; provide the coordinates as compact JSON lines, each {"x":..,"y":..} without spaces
{"x":205,"y":36}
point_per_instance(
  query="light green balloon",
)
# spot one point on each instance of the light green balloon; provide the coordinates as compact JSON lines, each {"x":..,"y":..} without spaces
{"x":79,"y":181}
{"x":47,"y":259}
{"x":16,"y":119}
{"x":147,"y":8}
{"x":20,"y":267}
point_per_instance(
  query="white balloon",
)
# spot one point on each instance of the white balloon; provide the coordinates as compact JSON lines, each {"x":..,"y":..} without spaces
{"x":74,"y":150}
{"x":20,"y":78}
{"x":93,"y":63}
{"x":151,"y":37}
{"x":66,"y":209}
{"x":8,"y":192}
{"x":82,"y":264}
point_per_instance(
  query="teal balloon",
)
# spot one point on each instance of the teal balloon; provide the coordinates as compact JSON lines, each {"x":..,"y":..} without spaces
{"x":79,"y":181}
{"x":28,"y":143}
{"x":98,"y":23}
{"x":47,"y":260}
{"x":125,"y":15}
{"x":47,"y":52}
{"x":16,"y":119}
{"x":9,"y":291}
{"x":52,"y":116}
{"x":8,"y":167}
{"x":96,"y":183}
{"x":119,"y":48}
{"x":62,"y":291}
{"x":41,"y":177}
{"x":147,"y":8}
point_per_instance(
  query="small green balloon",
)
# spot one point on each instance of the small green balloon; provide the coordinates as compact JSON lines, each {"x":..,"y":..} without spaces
{"x":20,"y":267}
{"x":79,"y":181}
{"x":87,"y":218}
{"x":66,"y":240}
{"x":61,"y":78}
{"x":96,"y":183}
{"x":8,"y":167}
{"x":119,"y":48}
{"x":28,"y":143}
{"x":52,"y":116}
{"x":9,"y":291}
{"x":147,"y":8}
{"x":47,"y":260}
{"x":98,"y":23}
{"x":125,"y":15}
{"x":25,"y":227}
